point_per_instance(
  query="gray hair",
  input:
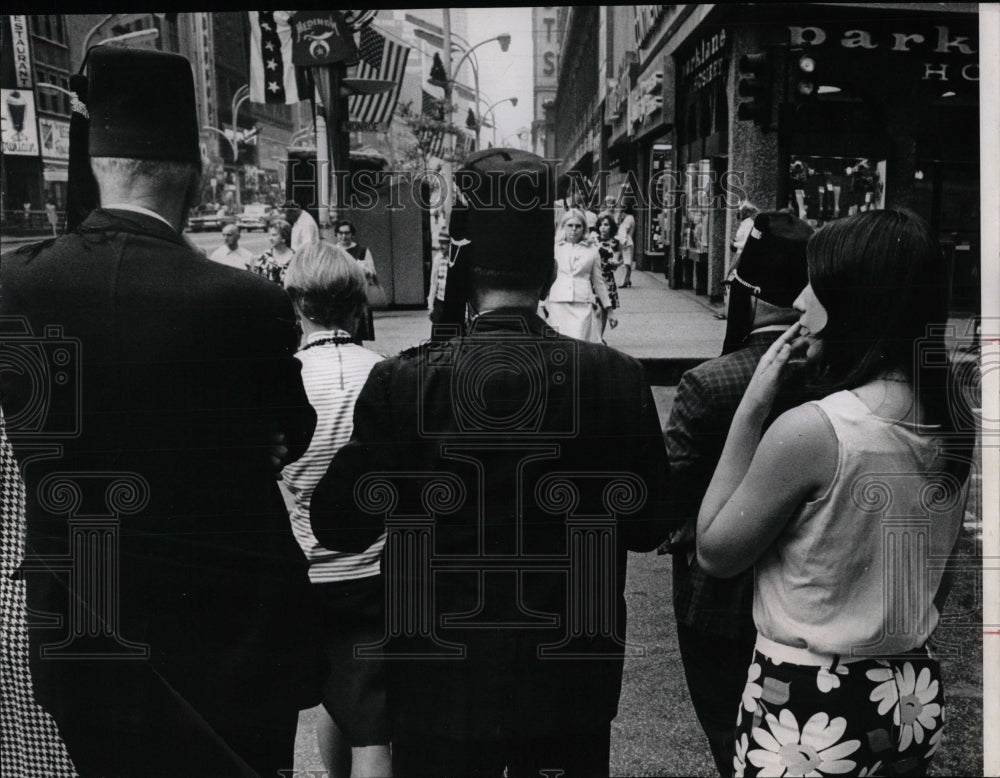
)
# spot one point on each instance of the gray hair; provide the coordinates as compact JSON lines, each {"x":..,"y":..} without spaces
{"x":128,"y":173}
{"x":326,"y":283}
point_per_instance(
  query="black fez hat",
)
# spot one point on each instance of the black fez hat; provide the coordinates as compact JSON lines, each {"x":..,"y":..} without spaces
{"x":771,"y":267}
{"x":134,"y":104}
{"x":142,"y":105}
{"x":501,"y":220}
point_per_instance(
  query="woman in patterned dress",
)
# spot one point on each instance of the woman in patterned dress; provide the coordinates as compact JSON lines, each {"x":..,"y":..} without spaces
{"x":273,"y":263}
{"x":610,"y":250}
{"x":840,"y":504}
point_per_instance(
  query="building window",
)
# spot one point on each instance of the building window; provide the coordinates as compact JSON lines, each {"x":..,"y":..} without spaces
{"x":48,"y":26}
{"x":49,"y":100}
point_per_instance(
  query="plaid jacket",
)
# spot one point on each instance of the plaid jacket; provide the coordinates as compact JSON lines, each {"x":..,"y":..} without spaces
{"x":703,"y":409}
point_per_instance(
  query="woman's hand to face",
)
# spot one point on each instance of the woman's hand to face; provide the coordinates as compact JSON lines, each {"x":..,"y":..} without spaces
{"x":772,"y":372}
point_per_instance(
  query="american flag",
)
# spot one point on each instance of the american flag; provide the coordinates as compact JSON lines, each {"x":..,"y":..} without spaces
{"x":383,"y":59}
{"x":273,"y":77}
{"x":432,"y":138}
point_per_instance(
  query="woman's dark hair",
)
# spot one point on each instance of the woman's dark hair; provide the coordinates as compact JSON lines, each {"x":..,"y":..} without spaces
{"x":346,"y":223}
{"x":883,"y":281}
{"x":284,"y":230}
{"x":609,"y":220}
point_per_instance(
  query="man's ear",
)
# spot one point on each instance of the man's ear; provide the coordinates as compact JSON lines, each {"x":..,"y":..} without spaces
{"x":547,"y":286}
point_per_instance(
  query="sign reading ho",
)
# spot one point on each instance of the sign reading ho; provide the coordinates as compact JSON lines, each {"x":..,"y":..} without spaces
{"x":321,"y":38}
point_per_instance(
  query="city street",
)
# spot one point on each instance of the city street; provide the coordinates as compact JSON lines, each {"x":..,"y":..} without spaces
{"x":705,"y":144}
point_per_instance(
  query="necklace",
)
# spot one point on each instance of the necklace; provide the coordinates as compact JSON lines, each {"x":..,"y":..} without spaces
{"x":337,"y":338}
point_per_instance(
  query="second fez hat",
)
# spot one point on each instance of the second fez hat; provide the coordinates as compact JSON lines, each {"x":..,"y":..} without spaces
{"x":142,"y":105}
{"x":772,"y":267}
{"x":501,"y":220}
{"x":772,"y":264}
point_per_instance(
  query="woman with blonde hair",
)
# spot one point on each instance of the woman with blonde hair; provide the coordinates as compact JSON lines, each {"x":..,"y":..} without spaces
{"x":570,"y":304}
{"x":328,"y":289}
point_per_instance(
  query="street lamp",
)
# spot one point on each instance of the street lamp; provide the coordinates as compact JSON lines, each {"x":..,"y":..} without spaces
{"x":511,"y":100}
{"x":149,"y":32}
{"x":239,"y":97}
{"x":504,"y":40}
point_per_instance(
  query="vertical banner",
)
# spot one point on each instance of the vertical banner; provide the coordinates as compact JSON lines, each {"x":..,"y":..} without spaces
{"x":20,"y":49}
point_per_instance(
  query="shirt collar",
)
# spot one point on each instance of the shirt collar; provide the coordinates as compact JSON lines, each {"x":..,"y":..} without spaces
{"x":137,"y":209}
{"x":321,"y":334}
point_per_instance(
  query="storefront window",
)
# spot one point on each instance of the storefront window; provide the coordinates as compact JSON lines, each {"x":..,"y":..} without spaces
{"x":697,"y":202}
{"x":658,"y":223}
{"x":825,"y":188}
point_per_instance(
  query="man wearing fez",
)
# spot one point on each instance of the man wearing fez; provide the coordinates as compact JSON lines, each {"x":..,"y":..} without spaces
{"x":485,"y":456}
{"x":172,"y":633}
{"x":715,"y":628}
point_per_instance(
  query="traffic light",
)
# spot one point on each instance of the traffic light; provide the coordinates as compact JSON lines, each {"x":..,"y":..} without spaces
{"x":756,"y":84}
{"x":803,"y":83}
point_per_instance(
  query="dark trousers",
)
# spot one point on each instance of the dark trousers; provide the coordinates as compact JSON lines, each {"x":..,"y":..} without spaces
{"x":716,"y":672}
{"x":571,"y":755}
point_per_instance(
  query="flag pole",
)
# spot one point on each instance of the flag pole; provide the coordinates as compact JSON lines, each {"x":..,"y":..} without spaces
{"x":322,"y":165}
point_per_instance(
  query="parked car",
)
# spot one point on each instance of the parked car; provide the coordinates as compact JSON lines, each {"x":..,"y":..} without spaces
{"x":254,"y":217}
{"x":209,"y":217}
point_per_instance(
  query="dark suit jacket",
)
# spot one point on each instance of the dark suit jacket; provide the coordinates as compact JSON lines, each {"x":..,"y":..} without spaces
{"x":145,"y":359}
{"x":508,"y":441}
{"x":703,"y":409}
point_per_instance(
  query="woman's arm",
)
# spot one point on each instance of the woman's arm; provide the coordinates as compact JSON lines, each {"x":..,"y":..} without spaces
{"x":597,"y":281}
{"x":369,"y":264}
{"x":759,"y":483}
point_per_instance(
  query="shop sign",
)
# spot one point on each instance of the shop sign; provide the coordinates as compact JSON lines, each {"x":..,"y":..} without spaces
{"x":55,"y":138}
{"x":20,"y":130}
{"x":546,"y":45}
{"x":942,"y":41}
{"x":707,"y":62}
{"x":20,"y":46}
{"x":616,"y":102}
{"x":647,"y":18}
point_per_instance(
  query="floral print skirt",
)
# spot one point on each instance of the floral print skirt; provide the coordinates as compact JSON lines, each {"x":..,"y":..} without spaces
{"x":867,"y":717}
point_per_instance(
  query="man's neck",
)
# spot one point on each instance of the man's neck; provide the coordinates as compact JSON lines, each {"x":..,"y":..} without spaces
{"x":167,"y":209}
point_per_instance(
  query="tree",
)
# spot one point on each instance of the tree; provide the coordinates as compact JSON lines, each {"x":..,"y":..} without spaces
{"x":429,"y":129}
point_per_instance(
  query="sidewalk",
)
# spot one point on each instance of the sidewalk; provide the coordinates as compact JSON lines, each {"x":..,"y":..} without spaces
{"x":655,"y":323}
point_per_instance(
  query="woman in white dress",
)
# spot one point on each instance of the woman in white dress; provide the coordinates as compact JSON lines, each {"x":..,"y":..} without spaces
{"x":570,"y":304}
